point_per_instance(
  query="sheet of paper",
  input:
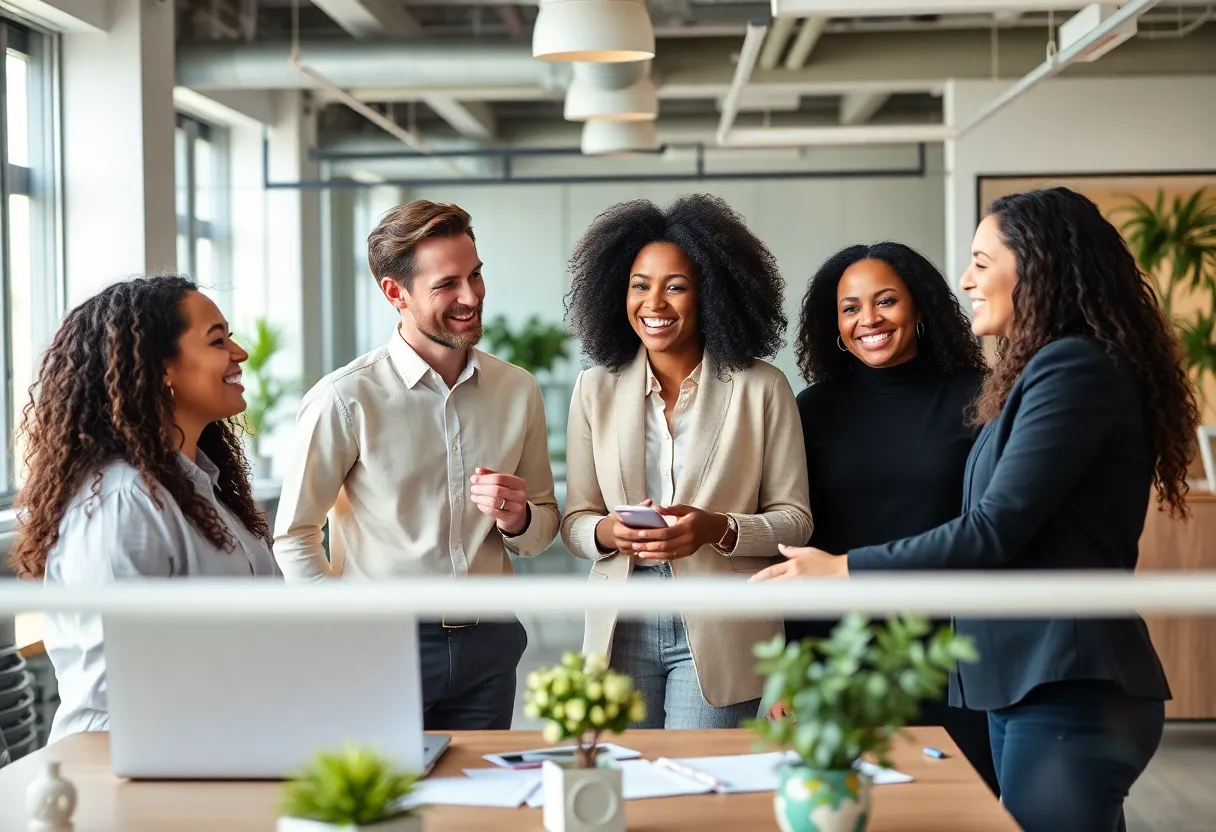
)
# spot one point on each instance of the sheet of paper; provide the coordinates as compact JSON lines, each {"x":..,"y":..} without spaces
{"x":498,"y":792}
{"x":533,"y":758}
{"x":640,"y":780}
{"x":742,"y":773}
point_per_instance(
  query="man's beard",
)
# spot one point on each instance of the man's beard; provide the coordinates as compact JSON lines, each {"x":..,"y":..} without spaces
{"x":439,"y":331}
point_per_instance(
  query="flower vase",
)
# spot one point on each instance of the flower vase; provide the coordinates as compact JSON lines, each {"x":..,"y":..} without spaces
{"x":401,"y":823}
{"x":811,"y":800}
{"x":582,"y":799}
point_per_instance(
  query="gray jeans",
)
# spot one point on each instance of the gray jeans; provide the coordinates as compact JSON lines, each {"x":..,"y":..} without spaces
{"x":654,"y":651}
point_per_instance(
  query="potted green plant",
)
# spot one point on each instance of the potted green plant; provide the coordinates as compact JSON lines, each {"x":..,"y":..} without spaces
{"x":536,"y":347}
{"x":581,"y":699}
{"x":353,"y":790}
{"x":846,"y":697}
{"x":263,"y":391}
{"x":1175,"y":244}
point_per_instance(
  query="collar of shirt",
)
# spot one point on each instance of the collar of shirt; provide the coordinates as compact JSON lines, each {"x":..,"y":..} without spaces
{"x":653,"y":385}
{"x":413,"y":367}
{"x":201,"y":471}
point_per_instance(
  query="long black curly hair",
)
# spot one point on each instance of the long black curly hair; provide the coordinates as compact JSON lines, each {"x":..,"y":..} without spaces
{"x":100,"y":397}
{"x":1076,"y":276}
{"x":741,"y":288}
{"x":947,"y":343}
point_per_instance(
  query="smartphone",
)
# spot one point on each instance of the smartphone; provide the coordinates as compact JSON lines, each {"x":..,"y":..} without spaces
{"x":640,"y":517}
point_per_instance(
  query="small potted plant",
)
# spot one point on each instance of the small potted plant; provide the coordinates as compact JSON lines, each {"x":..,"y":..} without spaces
{"x":581,"y":699}
{"x":354,"y":790}
{"x":846,"y":697}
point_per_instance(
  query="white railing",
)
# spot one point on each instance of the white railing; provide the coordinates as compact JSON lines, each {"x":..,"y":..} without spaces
{"x":973,"y":594}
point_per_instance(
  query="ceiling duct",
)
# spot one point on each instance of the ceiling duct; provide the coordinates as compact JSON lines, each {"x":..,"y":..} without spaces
{"x":599,"y":31}
{"x":619,"y":138}
{"x":424,"y":64}
{"x":614,"y":92}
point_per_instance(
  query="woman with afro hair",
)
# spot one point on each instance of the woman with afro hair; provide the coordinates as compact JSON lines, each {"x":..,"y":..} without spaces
{"x":135,"y":466}
{"x":675,"y":310}
{"x":893,"y":369}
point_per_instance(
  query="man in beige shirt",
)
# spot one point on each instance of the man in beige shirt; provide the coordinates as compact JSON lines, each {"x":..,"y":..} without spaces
{"x":429,"y":457}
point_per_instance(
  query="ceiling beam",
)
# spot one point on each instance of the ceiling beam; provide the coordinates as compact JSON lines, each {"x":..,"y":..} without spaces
{"x":473,"y":119}
{"x":898,"y":8}
{"x":808,"y":36}
{"x":752,"y":42}
{"x":371,"y":18}
{"x":774,"y":43}
{"x":78,"y":17}
{"x":860,"y":107}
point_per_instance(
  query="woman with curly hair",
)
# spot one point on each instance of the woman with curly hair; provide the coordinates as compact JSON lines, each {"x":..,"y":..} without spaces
{"x":893,"y":368}
{"x":1087,"y":410}
{"x":135,"y":466}
{"x":675,"y":310}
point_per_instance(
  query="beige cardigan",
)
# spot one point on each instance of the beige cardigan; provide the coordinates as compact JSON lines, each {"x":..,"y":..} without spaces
{"x":748,"y":460}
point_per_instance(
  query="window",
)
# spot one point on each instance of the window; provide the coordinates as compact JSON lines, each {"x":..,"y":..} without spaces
{"x":30,"y":250}
{"x":202,"y":189}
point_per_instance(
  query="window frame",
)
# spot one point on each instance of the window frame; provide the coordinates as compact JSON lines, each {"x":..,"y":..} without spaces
{"x":217,"y":230}
{"x":42,"y":182}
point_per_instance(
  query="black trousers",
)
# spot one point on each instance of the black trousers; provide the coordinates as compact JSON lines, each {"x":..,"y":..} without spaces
{"x":468,"y":674}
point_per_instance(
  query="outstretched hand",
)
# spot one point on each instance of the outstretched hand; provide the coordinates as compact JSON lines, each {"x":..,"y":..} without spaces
{"x":804,"y":562}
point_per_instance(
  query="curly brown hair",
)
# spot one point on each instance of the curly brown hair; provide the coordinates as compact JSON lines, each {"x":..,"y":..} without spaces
{"x":100,"y":397}
{"x":1077,"y":277}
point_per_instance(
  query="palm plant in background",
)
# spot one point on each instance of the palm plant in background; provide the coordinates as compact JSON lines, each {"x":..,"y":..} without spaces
{"x":1175,"y":243}
{"x":537,"y":347}
{"x":263,"y":392}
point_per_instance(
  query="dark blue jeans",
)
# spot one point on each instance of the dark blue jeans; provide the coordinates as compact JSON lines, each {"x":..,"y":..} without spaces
{"x":1068,"y":754}
{"x":468,"y":675}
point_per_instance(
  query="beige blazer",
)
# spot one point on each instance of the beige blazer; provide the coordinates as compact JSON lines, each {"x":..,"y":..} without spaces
{"x":748,"y":460}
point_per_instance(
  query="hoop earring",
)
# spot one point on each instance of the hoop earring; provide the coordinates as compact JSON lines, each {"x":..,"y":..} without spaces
{"x":169,"y":387}
{"x":920,"y":329}
{"x":840,"y":345}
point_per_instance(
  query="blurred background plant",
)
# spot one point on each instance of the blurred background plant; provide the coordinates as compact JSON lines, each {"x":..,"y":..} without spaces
{"x":536,"y":347}
{"x":264,"y":392}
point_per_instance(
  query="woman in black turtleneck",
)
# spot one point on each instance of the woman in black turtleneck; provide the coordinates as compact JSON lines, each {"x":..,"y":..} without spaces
{"x":893,"y":368}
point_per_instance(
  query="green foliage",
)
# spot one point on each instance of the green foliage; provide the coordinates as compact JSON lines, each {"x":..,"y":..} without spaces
{"x":848,"y":695}
{"x":263,"y":392}
{"x":1181,"y":236}
{"x":351,"y":787}
{"x":1177,"y":243}
{"x":580,"y":699}
{"x":536,"y":347}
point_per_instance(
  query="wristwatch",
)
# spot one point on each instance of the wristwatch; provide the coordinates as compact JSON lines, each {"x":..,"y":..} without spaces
{"x":731,"y":526}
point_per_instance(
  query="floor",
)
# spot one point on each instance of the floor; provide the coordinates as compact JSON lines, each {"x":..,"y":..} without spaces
{"x":1176,"y":794}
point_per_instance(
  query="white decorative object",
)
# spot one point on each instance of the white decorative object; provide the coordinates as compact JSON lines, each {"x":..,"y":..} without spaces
{"x":405,"y":823}
{"x":1206,"y":434}
{"x":51,"y":800}
{"x":582,"y":799}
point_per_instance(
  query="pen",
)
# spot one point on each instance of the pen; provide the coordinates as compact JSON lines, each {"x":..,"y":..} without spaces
{"x":933,"y":752}
{"x":699,"y":776}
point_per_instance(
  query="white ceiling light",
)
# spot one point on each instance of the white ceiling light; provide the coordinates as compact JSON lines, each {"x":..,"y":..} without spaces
{"x":615,"y":92}
{"x":600,"y":31}
{"x":618,"y":138}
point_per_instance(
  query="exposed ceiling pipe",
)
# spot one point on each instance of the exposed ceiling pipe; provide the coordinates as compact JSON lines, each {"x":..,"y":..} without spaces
{"x":774,"y":44}
{"x":836,"y":136}
{"x":403,"y":63}
{"x":1056,"y":63}
{"x":752,"y":41}
{"x":812,"y":29}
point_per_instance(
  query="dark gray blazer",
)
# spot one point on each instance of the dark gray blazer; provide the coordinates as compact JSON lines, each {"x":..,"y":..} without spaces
{"x":1059,"y":480}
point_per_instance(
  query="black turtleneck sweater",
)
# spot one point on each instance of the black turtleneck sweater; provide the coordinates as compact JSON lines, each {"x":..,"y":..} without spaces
{"x":885,"y":454}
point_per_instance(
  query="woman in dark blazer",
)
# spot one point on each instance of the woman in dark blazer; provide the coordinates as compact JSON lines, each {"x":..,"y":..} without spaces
{"x":893,"y":370}
{"x":1086,"y":410}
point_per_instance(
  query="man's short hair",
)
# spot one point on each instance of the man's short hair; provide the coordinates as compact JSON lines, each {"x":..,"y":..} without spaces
{"x":391,"y":245}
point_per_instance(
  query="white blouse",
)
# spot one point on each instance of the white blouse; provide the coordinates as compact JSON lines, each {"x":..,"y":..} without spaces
{"x":121,"y":533}
{"x":667,"y":445}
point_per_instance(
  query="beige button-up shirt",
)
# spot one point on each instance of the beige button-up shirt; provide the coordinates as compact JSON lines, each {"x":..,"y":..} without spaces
{"x":667,"y":444}
{"x":385,"y":449}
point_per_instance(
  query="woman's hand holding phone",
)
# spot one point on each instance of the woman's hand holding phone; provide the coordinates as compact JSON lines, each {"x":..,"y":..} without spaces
{"x":613,"y":535}
{"x":685,"y":530}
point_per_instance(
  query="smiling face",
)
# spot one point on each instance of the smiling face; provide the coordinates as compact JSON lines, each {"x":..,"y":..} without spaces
{"x":444,"y":301}
{"x":989,"y":281}
{"x":663,"y":300}
{"x":875,"y":314}
{"x":205,"y":377}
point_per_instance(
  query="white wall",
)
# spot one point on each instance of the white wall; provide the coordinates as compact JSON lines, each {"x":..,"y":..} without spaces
{"x":525,"y":233}
{"x":1083,"y":125}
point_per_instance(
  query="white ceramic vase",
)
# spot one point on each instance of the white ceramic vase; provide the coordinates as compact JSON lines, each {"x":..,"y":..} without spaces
{"x":582,"y":799}
{"x":50,"y":800}
{"x":406,"y":823}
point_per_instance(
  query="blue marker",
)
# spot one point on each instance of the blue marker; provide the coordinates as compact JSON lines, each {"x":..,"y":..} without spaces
{"x":933,"y":752}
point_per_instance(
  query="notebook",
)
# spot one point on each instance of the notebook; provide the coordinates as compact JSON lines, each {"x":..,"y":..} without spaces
{"x":741,"y":773}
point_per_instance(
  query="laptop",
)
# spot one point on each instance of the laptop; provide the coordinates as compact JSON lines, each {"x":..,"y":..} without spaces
{"x":236,"y":698}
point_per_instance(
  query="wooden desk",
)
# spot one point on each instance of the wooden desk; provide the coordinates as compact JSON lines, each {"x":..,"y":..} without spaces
{"x":946,"y":796}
